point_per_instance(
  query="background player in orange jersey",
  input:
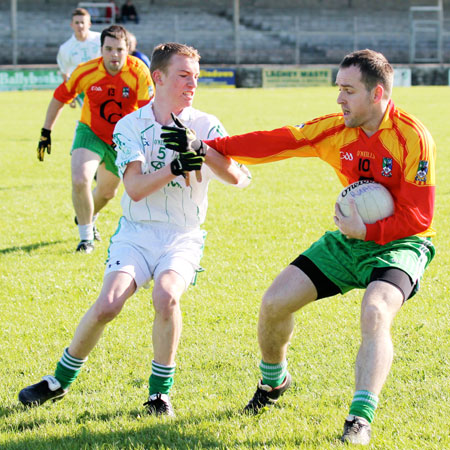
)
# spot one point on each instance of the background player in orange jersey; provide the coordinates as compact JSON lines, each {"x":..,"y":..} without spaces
{"x":370,"y":139}
{"x":114,"y":85}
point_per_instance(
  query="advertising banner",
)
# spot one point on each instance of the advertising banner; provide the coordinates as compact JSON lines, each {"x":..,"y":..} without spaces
{"x":217,"y":77}
{"x":25,"y":79}
{"x":279,"y":77}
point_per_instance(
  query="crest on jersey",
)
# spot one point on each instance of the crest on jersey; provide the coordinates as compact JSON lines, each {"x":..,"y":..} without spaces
{"x":126,"y":92}
{"x":422,"y":171}
{"x":120,"y":142}
{"x":387,"y":167}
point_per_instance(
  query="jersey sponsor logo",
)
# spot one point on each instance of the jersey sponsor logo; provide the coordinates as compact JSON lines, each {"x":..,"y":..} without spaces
{"x":347,"y":156}
{"x":144,"y":141}
{"x":174,"y":184}
{"x":96,"y":88}
{"x":386,"y":171}
{"x":422,"y":172}
{"x":157,"y":164}
{"x":126,"y":92}
{"x":365,"y":154}
{"x":111,"y":111}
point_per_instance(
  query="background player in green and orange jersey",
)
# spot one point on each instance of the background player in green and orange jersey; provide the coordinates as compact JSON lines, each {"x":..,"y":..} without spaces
{"x":114,"y":85}
{"x":370,"y":139}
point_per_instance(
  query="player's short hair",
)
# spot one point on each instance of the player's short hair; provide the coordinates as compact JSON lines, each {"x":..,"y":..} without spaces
{"x":163,"y":52}
{"x":375,"y":68}
{"x":80,"y":12}
{"x":116,"y":32}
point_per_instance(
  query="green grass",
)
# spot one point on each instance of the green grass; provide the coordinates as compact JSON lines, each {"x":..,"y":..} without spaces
{"x":252,"y":235}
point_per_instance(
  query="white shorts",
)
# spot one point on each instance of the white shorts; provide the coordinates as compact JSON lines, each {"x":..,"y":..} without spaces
{"x":144,"y":250}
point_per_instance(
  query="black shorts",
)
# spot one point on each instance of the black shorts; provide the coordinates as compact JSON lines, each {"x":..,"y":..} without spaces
{"x":326,"y":288}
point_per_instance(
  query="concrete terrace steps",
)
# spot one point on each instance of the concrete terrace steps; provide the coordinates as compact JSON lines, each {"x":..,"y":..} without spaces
{"x":267,"y":34}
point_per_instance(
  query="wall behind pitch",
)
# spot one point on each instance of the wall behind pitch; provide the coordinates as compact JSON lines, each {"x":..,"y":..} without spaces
{"x":250,"y":76}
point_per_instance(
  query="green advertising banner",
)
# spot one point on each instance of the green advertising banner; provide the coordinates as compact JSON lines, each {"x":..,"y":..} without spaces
{"x":25,"y":79}
{"x":275,"y":77}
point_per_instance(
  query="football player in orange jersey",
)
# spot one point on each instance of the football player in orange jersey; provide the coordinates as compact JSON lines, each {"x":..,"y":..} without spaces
{"x":114,"y":85}
{"x":370,"y":139}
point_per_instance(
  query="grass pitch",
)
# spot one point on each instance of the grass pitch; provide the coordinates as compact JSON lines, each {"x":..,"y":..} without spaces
{"x":252,"y":235}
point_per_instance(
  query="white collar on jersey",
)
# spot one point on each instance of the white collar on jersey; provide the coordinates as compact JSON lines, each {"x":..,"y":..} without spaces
{"x":146,"y":112}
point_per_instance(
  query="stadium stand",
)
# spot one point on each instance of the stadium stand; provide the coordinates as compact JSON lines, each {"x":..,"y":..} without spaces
{"x":296,"y":31}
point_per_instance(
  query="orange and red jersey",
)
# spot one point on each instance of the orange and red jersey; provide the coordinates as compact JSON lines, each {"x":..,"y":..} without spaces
{"x":107,"y":98}
{"x":400,"y":155}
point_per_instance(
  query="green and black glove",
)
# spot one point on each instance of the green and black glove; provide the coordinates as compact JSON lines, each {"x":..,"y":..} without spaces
{"x":45,"y":144}
{"x":186,"y":162}
{"x":182,"y":139}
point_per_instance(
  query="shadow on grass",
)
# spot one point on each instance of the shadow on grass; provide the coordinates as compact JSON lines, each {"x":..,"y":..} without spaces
{"x":174,"y":433}
{"x":159,"y":432}
{"x":25,"y":187}
{"x":28,"y":248}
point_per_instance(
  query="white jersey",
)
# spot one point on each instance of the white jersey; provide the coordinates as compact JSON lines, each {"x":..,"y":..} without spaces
{"x":137,"y":136}
{"x":74,"y":52}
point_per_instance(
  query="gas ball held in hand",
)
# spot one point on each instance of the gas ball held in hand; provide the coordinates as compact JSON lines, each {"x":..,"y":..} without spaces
{"x":373,"y":201}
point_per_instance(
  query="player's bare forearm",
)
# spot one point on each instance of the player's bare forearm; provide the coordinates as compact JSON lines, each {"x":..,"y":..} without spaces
{"x":53,"y":111}
{"x":139,"y":185}
{"x":223,"y":167}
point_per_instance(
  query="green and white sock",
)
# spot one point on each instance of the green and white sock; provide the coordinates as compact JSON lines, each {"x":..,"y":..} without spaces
{"x":161,"y":379}
{"x":68,"y":369}
{"x":364,"y":405}
{"x":273,"y":374}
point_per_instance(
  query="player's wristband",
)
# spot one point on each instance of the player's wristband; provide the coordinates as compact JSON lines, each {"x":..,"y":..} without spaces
{"x":46,"y":133}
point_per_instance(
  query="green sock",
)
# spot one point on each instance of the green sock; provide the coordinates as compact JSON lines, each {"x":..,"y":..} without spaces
{"x":161,"y":379}
{"x":364,"y":405}
{"x":273,"y":374}
{"x":68,"y":369}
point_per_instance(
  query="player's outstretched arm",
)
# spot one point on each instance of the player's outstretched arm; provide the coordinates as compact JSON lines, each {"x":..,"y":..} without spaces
{"x":225,"y":168}
{"x":182,"y":139}
{"x":45,"y":141}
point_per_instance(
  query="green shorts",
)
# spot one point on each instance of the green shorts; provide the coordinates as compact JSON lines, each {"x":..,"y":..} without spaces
{"x":86,"y":138}
{"x":348,"y":263}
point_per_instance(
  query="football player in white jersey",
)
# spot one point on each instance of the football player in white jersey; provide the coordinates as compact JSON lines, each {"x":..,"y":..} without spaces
{"x":159,"y":236}
{"x":83,"y":46}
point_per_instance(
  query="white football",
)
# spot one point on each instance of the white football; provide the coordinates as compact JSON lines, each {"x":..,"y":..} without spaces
{"x":373,"y":201}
